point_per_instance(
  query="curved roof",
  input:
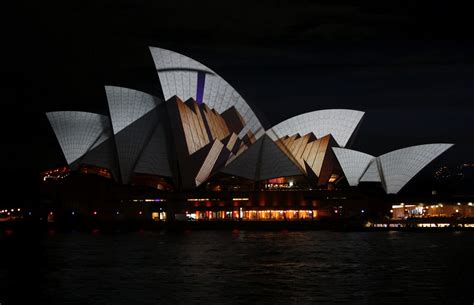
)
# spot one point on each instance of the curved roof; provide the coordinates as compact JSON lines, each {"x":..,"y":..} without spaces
{"x":340,"y":123}
{"x":154,"y":159}
{"x":262,"y":160}
{"x":128,"y":105}
{"x":372,"y":174}
{"x":103,"y":155}
{"x":400,"y":166}
{"x":78,"y":132}
{"x":134,"y":118}
{"x":245,"y":165}
{"x":186,"y":78}
{"x":135,"y":138}
{"x":353,"y":163}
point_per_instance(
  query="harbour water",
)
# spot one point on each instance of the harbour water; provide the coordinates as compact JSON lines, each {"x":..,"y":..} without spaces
{"x":237,"y":267}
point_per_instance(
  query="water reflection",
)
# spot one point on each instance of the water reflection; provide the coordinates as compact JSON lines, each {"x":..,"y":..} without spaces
{"x":239,"y":267}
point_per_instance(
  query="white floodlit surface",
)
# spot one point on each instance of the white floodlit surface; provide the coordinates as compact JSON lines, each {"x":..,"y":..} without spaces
{"x":128,"y":105}
{"x":78,"y":132}
{"x":340,"y":123}
{"x":178,"y":76}
{"x":353,"y":163}
{"x":400,"y":166}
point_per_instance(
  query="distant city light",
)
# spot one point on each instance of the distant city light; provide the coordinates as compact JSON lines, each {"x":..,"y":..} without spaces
{"x":155,"y":200}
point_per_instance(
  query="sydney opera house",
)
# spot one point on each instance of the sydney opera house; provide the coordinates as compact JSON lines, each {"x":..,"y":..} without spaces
{"x":204,"y":146}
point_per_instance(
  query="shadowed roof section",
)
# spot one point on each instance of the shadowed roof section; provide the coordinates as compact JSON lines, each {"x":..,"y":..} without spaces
{"x":340,"y":123}
{"x":262,"y":160}
{"x":372,"y":173}
{"x":103,"y":155}
{"x":154,"y":159}
{"x":134,"y":118}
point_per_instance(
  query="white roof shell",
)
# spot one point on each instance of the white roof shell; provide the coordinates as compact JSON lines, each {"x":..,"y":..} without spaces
{"x":340,"y":123}
{"x":128,"y":105}
{"x":400,"y":166}
{"x":178,"y":76}
{"x":354,"y":163}
{"x":78,"y":132}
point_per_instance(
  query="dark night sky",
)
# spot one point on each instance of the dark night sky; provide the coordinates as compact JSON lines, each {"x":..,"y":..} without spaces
{"x":408,"y":64}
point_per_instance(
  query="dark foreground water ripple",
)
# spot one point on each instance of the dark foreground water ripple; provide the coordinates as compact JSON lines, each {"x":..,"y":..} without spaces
{"x":223,"y":267}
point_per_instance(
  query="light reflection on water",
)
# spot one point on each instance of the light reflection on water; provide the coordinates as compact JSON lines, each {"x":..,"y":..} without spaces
{"x":239,"y":267}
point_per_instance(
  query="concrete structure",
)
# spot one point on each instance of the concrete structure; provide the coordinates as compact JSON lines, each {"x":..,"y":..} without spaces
{"x":340,"y":123}
{"x":394,"y":169}
{"x":354,"y":164}
{"x":78,"y":132}
{"x":204,"y":136}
